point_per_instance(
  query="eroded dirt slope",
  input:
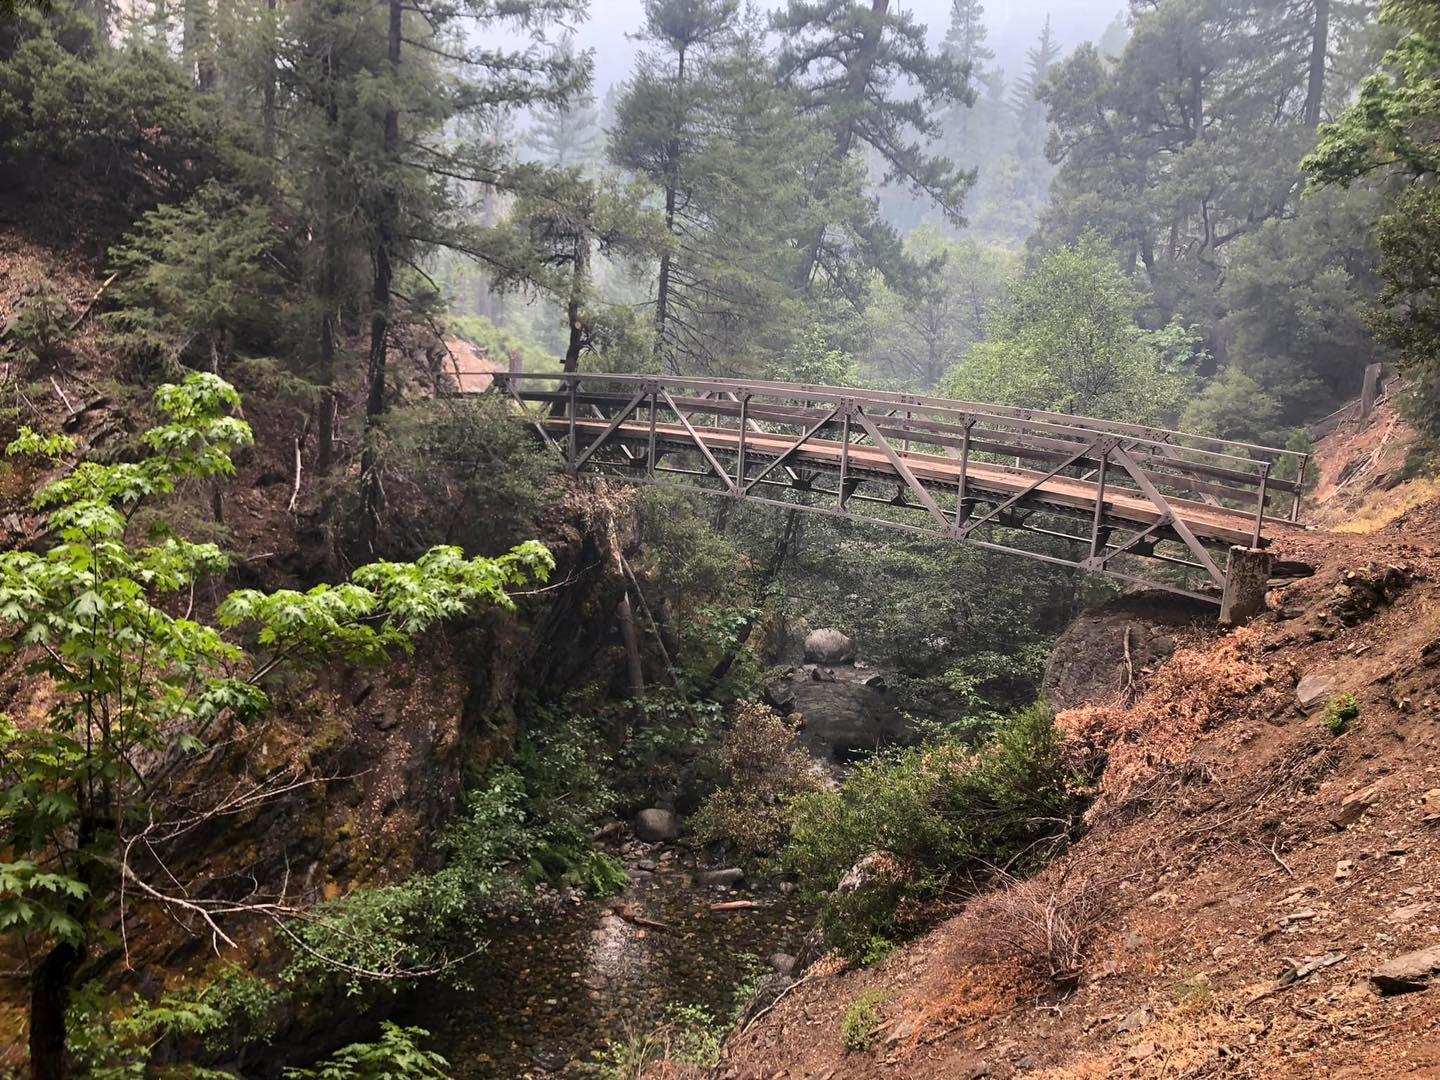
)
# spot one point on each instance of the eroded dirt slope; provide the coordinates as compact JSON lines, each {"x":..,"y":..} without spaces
{"x":1244,"y":872}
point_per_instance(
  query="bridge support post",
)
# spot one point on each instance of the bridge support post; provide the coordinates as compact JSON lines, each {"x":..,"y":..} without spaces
{"x":1246,"y":577}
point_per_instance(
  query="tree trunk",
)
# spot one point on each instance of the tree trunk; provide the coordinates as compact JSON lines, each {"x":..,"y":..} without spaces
{"x":1319,"y":50}
{"x":50,"y":988}
{"x":672,"y":184}
{"x":385,"y":229}
{"x":579,"y":276}
{"x":267,"y":105}
{"x":195,"y":44}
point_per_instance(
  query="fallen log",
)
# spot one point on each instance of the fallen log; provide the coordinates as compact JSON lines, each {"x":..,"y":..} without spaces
{"x":734,"y":905}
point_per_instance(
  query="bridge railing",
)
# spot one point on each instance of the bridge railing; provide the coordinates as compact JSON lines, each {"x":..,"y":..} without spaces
{"x":1216,"y":472}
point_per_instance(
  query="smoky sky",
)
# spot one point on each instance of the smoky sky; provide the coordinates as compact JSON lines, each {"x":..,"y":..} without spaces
{"x":1013,"y":26}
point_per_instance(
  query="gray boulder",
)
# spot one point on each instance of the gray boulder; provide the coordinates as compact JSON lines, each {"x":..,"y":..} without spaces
{"x":1413,"y":971}
{"x":826,"y":646}
{"x":655,"y":825}
{"x":848,"y":720}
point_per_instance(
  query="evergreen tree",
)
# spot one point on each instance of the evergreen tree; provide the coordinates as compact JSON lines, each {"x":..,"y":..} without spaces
{"x":848,"y":62}
{"x":659,"y":117}
{"x":1025,"y":93}
{"x":566,"y":133}
{"x":965,"y":37}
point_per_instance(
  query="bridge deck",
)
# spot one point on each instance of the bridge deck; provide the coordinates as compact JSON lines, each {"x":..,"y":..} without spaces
{"x":1064,"y":494}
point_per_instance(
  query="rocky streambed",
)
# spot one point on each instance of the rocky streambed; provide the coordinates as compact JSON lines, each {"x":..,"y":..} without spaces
{"x":555,"y":986}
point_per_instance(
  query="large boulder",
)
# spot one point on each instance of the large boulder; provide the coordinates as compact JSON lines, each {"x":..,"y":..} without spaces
{"x":844,"y":719}
{"x":655,"y":825}
{"x":826,"y":646}
{"x":1088,"y":664}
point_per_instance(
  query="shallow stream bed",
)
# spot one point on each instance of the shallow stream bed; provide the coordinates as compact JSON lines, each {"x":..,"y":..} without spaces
{"x":556,"y":986}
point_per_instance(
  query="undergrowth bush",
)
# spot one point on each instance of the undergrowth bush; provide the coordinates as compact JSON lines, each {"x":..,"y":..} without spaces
{"x":946,"y":815}
{"x":861,"y":1024}
{"x":763,"y":769}
{"x":524,"y":823}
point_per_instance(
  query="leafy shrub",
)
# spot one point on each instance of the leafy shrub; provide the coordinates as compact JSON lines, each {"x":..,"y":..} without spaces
{"x":396,"y":1055}
{"x":465,"y":468}
{"x":78,"y":116}
{"x":763,"y":770}
{"x":1339,"y":712}
{"x":862,"y":1021}
{"x":688,"y":1043}
{"x":524,"y":823}
{"x":946,"y":814}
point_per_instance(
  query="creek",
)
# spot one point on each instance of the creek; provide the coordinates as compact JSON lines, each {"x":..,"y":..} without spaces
{"x":555,"y":986}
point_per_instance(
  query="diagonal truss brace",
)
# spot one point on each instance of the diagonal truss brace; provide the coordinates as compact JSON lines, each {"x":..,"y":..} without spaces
{"x":785,"y":454}
{"x":898,"y":464}
{"x":1096,"y":449}
{"x":538,"y":425}
{"x":1099,"y":561}
{"x":1182,"y":530}
{"x":614,"y":426}
{"x":700,"y":444}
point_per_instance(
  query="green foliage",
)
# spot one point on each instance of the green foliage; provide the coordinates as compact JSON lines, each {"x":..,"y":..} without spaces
{"x":876,"y":950}
{"x":76,"y":116}
{"x":465,"y":472}
{"x":194,"y":279}
{"x":115,"y":1038}
{"x":690,"y":1035}
{"x":974,"y":652}
{"x":396,"y":1055}
{"x":919,"y":336}
{"x":38,"y":327}
{"x":1387,"y":133}
{"x":946,"y":813}
{"x":1339,"y":711}
{"x":861,"y":1024}
{"x":134,"y":689}
{"x":1068,"y":341}
{"x":525,"y":822}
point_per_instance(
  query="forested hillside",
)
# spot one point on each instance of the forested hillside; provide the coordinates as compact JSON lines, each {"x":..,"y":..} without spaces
{"x":348,"y":730}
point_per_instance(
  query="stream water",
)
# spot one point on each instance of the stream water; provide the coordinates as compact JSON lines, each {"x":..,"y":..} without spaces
{"x":554,"y":987}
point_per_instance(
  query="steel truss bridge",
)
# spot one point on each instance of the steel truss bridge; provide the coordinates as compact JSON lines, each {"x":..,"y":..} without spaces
{"x":1128,"y":499}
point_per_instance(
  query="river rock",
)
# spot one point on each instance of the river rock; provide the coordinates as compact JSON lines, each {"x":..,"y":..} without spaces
{"x":826,"y":646}
{"x":1412,"y":971}
{"x":655,"y":825}
{"x":876,"y":870}
{"x":732,"y":875}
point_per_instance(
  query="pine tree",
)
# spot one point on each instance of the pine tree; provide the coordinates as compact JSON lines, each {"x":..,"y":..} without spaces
{"x":965,"y":39}
{"x":658,"y":118}
{"x":1025,"y":93}
{"x":847,"y":61}
{"x":565,"y":133}
{"x":568,"y":134}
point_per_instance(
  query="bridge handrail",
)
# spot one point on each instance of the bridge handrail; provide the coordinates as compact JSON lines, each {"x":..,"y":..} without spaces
{"x":1038,"y":420}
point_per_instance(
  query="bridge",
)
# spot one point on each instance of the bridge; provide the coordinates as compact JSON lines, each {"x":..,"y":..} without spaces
{"x":1184,"y":513}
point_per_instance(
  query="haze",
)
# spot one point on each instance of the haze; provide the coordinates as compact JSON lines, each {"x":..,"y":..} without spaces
{"x":1013,"y":27}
